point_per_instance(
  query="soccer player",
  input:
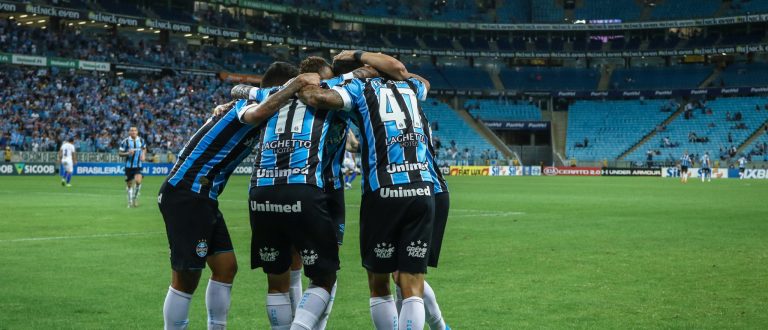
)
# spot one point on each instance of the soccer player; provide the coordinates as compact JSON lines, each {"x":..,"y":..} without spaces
{"x":706,"y":167}
{"x":742,"y":166}
{"x":197,"y":233}
{"x":134,"y":149}
{"x":397,"y":208}
{"x":289,"y":208}
{"x":685,"y":163}
{"x":350,"y":165}
{"x":68,"y":158}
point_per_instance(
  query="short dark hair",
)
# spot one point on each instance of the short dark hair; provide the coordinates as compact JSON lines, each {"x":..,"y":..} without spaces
{"x":313,"y":64}
{"x":341,"y":67}
{"x":278,"y":73}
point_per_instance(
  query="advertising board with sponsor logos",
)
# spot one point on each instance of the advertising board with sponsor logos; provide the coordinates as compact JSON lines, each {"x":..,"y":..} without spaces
{"x":491,"y":170}
{"x":117,"y":169}
{"x":695,"y":172}
{"x":27,"y":169}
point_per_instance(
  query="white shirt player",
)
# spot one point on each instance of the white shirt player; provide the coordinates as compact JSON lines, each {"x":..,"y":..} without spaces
{"x":742,"y":162}
{"x":67,"y":150}
{"x":349,"y":161}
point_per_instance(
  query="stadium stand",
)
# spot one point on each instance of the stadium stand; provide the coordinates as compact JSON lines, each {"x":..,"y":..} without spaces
{"x":680,"y":76}
{"x":610,"y":127}
{"x":743,"y":74}
{"x":677,"y":9}
{"x":626,"y":10}
{"x":711,"y":127}
{"x":502,"y":110}
{"x":451,"y":130}
{"x":41,"y":108}
{"x":522,"y":78}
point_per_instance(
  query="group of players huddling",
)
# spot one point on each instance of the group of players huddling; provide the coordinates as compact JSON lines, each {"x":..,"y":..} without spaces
{"x":298,"y":121}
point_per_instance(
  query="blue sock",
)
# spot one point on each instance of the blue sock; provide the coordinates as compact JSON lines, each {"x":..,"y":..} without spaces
{"x":346,"y":178}
{"x":353,"y":176}
{"x":68,"y":176}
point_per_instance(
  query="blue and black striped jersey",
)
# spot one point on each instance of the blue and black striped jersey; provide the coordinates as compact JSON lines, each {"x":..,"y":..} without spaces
{"x":336,"y":141}
{"x":439,"y":181}
{"x":208,"y":159}
{"x":685,"y":160}
{"x":137,"y":145}
{"x":394,"y":140}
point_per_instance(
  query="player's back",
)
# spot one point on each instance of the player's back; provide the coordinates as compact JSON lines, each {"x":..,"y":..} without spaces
{"x":292,"y":146}
{"x":67,"y":150}
{"x":210,"y":156}
{"x":394,"y":145}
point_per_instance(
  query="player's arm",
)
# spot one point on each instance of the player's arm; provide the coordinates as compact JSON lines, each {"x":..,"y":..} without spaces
{"x":60,"y":158}
{"x":352,"y":142}
{"x":74,"y":156}
{"x":257,"y":113}
{"x":321,"y":98}
{"x":222,"y":108}
{"x":143,"y":152}
{"x":123,"y":150}
{"x":381,"y":62}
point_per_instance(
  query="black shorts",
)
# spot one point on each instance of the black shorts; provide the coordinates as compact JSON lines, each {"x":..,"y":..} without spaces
{"x":396,"y":228}
{"x":741,"y":170}
{"x":684,"y":169}
{"x":292,"y":215}
{"x":130,"y":173}
{"x":442,"y":204}
{"x":335,"y":199}
{"x":195,"y":227}
{"x":706,"y":170}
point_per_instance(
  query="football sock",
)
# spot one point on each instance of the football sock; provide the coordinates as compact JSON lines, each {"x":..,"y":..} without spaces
{"x":295,"y":290}
{"x":312,"y":306}
{"x":383,"y":312}
{"x":217,"y":299}
{"x":352,"y":176}
{"x":176,"y":309}
{"x":412,"y":314}
{"x":326,"y":314}
{"x":130,"y":194}
{"x":136,"y":190}
{"x":398,"y":298}
{"x":68,"y":176}
{"x":279,"y":311}
{"x":432,"y":309}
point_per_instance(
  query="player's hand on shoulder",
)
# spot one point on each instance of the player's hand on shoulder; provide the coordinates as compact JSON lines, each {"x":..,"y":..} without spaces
{"x":307,"y":79}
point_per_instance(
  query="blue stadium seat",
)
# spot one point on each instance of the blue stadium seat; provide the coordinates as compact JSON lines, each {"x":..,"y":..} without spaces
{"x":452,"y":127}
{"x":626,"y":10}
{"x":502,"y":110}
{"x":681,"y":76}
{"x":611,"y":127}
{"x":745,"y":75}
{"x":526,"y":78}
{"x":713,"y":126}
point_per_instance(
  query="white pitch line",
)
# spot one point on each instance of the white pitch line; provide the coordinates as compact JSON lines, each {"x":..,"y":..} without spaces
{"x":53,"y":238}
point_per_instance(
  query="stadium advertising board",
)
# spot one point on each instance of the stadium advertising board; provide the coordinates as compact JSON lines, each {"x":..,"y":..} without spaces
{"x":117,"y":169}
{"x":613,"y":171}
{"x":168,"y":25}
{"x":470,"y":171}
{"x":446,"y":170}
{"x":695,"y":172}
{"x":508,"y":125}
{"x":506,"y":170}
{"x":27,"y":168}
{"x":572,"y":171}
{"x":243,"y":170}
{"x":754,"y":173}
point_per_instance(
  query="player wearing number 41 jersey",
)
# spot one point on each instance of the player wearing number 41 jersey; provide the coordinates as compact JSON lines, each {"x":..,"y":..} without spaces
{"x":396,"y":212}
{"x":197,"y":233}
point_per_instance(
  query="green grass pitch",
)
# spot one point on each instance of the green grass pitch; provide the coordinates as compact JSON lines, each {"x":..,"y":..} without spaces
{"x":520,"y":252}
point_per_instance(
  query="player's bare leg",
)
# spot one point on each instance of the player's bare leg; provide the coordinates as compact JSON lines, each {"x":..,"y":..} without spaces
{"x":383,"y":310}
{"x":219,"y":292}
{"x":295,"y":290}
{"x":279,"y":301}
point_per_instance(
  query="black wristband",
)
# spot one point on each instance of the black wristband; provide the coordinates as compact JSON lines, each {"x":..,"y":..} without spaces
{"x":359,"y":55}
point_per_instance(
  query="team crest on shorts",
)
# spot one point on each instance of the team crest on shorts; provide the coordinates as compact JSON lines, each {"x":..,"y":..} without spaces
{"x":268,"y":254}
{"x":202,"y":248}
{"x":384,"y":250}
{"x":308,"y":257}
{"x":417,"y":249}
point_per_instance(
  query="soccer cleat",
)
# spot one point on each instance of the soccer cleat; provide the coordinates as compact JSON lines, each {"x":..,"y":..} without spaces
{"x":63,"y":182}
{"x":447,"y":327}
{"x":347,"y":186}
{"x":69,"y":185}
{"x":135,"y":203}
